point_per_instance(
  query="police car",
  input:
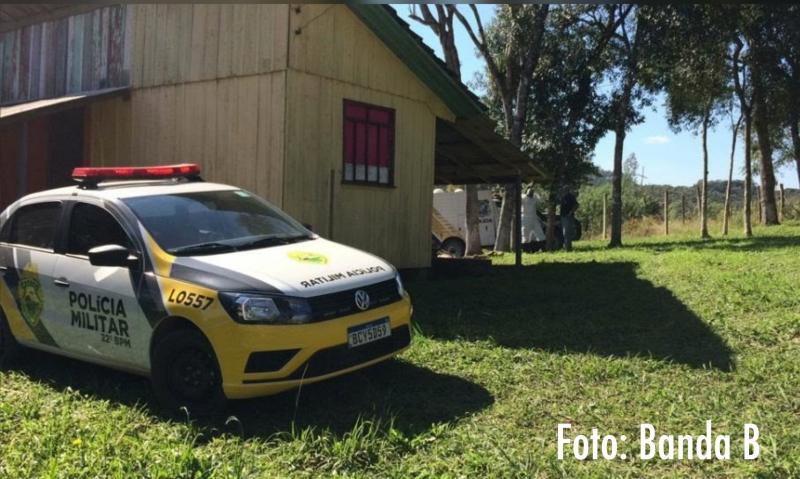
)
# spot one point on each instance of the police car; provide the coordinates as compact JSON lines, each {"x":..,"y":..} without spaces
{"x":209,"y":290}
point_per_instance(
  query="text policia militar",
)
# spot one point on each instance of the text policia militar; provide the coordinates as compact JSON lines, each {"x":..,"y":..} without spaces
{"x":655,"y":446}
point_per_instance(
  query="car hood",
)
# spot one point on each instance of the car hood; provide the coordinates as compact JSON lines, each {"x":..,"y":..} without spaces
{"x":304,"y":269}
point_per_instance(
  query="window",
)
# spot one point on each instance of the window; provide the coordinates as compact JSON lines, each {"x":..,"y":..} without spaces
{"x":368,"y":144}
{"x":92,"y":226}
{"x":35,"y":225}
{"x":208,"y":221}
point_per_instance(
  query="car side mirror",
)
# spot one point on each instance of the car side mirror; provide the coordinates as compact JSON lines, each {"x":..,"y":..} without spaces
{"x":308,"y":227}
{"x":112,"y":255}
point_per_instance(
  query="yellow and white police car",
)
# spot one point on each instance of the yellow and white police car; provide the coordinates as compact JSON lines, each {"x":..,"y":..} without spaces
{"x":209,"y":290}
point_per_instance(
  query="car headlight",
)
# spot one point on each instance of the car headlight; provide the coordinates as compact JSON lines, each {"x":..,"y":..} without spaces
{"x":400,"y":289}
{"x":263,"y":309}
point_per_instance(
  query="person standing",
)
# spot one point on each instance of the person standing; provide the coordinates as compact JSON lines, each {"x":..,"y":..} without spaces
{"x":569,"y":204}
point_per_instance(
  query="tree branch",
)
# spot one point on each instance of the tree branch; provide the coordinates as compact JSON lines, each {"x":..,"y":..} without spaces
{"x":481,"y":45}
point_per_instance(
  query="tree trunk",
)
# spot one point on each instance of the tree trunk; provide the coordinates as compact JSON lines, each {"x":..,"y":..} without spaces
{"x":619,"y":144}
{"x":550,"y":234}
{"x":726,"y":212}
{"x":769,"y":206}
{"x":796,"y":144}
{"x":473,"y":221}
{"x":502,"y":242}
{"x":761,"y":124}
{"x":704,"y":192}
{"x":616,"y":188}
{"x":748,"y":176}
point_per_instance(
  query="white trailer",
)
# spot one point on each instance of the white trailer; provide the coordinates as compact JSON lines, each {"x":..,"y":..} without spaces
{"x":449,"y":221}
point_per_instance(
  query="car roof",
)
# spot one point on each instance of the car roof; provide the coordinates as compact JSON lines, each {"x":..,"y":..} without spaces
{"x":129,"y":189}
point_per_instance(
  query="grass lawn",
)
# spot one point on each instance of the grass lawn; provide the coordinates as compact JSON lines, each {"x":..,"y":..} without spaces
{"x":671,"y":332}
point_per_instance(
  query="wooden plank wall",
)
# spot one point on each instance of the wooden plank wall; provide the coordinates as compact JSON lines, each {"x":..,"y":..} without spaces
{"x":232,"y":127}
{"x":335,"y":57}
{"x":208,"y":87}
{"x":394,"y":223}
{"x":234,"y":88}
{"x":36,"y":169}
{"x":333,"y":43}
{"x":9,"y":155}
{"x":73,"y":54}
{"x":179,"y":43}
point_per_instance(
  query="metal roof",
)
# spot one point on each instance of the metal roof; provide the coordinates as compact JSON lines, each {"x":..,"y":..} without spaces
{"x":37,"y":107}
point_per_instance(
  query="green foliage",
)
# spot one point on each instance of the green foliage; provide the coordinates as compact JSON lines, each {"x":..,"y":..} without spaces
{"x":637,"y":200}
{"x":567,"y":114}
{"x":698,"y":78}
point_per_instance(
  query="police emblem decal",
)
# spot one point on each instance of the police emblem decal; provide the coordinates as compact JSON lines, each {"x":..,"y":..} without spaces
{"x":30,"y":296}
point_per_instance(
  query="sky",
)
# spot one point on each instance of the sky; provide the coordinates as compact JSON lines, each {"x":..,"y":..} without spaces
{"x":665,"y":156}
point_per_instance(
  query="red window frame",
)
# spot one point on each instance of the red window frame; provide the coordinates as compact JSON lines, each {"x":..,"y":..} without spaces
{"x":367,"y":144}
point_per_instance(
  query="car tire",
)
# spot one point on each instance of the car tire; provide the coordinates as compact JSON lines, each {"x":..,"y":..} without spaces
{"x":9,"y":348}
{"x":455,"y":247}
{"x":185,"y":375}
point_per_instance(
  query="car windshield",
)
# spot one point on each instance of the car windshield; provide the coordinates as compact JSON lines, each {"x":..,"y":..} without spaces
{"x":209,"y":222}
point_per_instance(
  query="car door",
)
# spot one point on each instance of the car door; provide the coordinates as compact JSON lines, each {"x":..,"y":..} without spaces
{"x":103,"y":319}
{"x":27,"y":261}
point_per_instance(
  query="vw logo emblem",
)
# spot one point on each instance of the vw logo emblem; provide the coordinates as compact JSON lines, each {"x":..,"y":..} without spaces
{"x":362,"y":300}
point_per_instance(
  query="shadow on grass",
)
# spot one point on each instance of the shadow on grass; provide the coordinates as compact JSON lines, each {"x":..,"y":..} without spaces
{"x":599,"y":308}
{"x":753,"y":244}
{"x":410,"y":397}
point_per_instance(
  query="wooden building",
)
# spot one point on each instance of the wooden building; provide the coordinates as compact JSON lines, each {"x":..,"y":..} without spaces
{"x":339,"y":114}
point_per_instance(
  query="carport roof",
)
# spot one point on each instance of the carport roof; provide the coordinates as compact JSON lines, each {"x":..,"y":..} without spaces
{"x":29,"y":109}
{"x":467,"y":150}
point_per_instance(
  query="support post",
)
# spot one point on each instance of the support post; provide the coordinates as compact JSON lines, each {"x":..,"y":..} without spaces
{"x":518,"y":222}
{"x":605,"y":215}
{"x":666,"y":211}
{"x":783,"y":202}
{"x":331,"y":186}
{"x":22,"y":162}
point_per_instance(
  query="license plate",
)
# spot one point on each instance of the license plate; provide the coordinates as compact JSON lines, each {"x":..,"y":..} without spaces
{"x":368,"y":332}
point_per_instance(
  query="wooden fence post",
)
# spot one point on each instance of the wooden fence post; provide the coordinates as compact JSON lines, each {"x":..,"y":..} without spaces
{"x":683,"y":207}
{"x":605,"y":215}
{"x":666,"y":211}
{"x":783,"y":202}
{"x":699,"y":200}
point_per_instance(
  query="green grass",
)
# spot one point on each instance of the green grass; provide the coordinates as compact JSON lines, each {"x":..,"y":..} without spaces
{"x":667,"y":331}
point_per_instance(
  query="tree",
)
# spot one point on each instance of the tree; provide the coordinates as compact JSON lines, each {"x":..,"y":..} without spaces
{"x":567,"y":113}
{"x":520,"y":30}
{"x":726,"y":213}
{"x":758,"y":29}
{"x":441,"y":23}
{"x":788,"y":44}
{"x":634,"y":50}
{"x":697,"y":80}
{"x":744,"y":95}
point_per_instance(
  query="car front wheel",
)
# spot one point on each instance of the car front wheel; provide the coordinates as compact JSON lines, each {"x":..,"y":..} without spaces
{"x":185,"y":374}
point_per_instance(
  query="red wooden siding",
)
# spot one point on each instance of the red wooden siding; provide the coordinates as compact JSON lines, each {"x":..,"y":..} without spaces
{"x":78,"y":53}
